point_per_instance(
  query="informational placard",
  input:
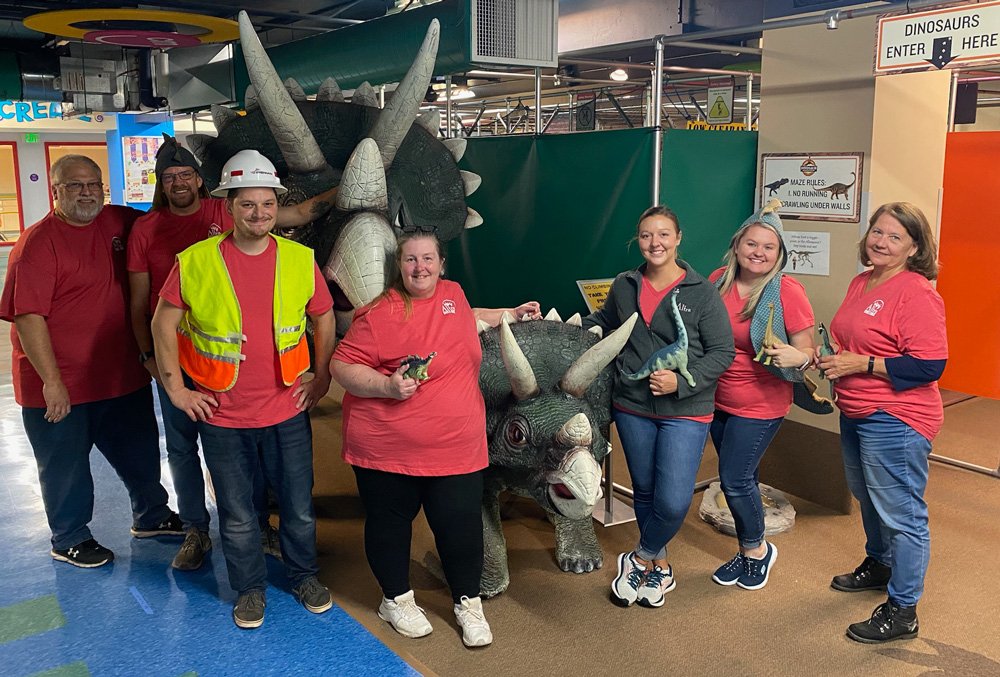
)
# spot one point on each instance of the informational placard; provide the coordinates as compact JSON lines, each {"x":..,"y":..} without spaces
{"x":808,"y":253}
{"x":949,"y":37}
{"x":720,"y":105}
{"x":139,"y":158}
{"x":818,"y":186}
{"x":595,"y":292}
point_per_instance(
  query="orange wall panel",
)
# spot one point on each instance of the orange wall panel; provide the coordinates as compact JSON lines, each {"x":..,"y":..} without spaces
{"x":969,"y":278}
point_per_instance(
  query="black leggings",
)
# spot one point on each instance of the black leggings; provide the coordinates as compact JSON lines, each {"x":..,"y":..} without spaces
{"x":452,"y":505}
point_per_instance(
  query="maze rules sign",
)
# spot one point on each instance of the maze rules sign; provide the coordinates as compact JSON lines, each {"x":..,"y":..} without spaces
{"x":818,"y":186}
{"x":595,"y":292}
{"x":951,"y":37}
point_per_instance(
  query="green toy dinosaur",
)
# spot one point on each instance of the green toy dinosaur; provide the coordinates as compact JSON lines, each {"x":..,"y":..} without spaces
{"x":673,"y":357}
{"x":416,"y":366}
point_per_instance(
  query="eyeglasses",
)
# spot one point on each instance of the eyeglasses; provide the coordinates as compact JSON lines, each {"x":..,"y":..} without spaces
{"x":185,"y":175}
{"x":77,"y":186}
{"x":419,"y":229}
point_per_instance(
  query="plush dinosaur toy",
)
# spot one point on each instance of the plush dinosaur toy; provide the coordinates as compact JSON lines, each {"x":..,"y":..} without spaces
{"x":673,"y":357}
{"x":416,"y":366}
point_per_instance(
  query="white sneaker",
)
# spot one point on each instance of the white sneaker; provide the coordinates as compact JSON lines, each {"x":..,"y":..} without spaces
{"x":405,"y":616}
{"x":475,"y":630}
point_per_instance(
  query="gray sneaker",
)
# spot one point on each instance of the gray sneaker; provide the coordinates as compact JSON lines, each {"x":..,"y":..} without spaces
{"x":631,"y":576}
{"x":249,"y":610}
{"x":269,"y":541}
{"x":314,"y":595}
{"x":192,"y":552}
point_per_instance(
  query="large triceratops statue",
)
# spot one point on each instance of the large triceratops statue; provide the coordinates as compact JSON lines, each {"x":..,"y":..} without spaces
{"x":392,"y":170}
{"x":547,"y":388}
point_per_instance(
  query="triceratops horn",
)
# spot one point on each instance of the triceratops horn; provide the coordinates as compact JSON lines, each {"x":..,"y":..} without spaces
{"x":522,"y":379}
{"x":582,"y":373}
{"x":401,"y":109}
{"x":473,"y":218}
{"x":575,"y":432}
{"x":431,"y":121}
{"x":329,"y":90}
{"x":363,"y":183}
{"x":298,"y":146}
{"x":456,"y":146}
{"x":575,"y":320}
{"x":471,"y":181}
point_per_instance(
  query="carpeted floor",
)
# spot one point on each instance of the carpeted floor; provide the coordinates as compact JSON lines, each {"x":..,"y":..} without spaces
{"x":554,"y":623}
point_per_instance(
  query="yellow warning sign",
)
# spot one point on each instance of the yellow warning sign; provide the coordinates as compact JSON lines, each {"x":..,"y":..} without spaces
{"x":719,"y":109}
{"x":720,"y":105}
{"x":595,"y":292}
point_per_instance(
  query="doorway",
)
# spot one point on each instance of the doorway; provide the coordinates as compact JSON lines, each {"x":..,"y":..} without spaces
{"x":11,"y":214}
{"x":98,"y":152}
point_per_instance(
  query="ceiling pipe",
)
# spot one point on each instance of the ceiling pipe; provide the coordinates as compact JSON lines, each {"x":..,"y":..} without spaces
{"x":723,"y":47}
{"x":644,"y":66}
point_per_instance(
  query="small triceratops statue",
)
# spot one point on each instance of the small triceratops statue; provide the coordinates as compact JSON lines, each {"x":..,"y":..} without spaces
{"x":547,"y":388}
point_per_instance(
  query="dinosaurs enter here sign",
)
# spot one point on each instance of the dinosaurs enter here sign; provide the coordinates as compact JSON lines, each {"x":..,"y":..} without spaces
{"x":817,"y":186}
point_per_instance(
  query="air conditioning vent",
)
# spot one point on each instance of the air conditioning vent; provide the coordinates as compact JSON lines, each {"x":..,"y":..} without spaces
{"x":515,"y":32}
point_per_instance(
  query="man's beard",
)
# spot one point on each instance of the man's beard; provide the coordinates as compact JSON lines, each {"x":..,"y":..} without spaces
{"x":81,"y":213}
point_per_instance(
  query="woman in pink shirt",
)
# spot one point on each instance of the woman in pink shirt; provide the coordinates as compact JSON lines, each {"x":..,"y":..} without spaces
{"x":755,"y":393}
{"x":893,"y":346}
{"x":419,"y":441}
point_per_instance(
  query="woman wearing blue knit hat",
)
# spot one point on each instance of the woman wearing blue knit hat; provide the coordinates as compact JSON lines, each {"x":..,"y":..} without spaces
{"x":772,"y":324}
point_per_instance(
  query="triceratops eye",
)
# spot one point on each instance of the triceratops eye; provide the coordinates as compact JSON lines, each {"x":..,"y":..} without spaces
{"x":517,"y":432}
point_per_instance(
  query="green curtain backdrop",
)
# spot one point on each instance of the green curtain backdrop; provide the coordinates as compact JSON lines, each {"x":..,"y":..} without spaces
{"x":562,"y":208}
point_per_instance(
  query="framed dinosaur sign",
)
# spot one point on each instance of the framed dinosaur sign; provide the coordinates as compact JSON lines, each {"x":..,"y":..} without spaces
{"x":814,"y":186}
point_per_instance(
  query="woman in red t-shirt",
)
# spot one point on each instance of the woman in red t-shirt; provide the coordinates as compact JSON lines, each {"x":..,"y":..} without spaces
{"x":419,"y":441}
{"x":752,"y":399}
{"x":893,"y":348}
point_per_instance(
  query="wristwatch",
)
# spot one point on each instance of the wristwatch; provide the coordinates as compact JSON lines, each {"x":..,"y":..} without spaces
{"x":146,"y":357}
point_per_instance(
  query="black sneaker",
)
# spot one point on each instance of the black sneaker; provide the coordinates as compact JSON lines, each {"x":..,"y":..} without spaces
{"x":314,"y":595}
{"x":249,"y":610}
{"x":888,"y":622}
{"x":88,"y":555}
{"x":870,"y":575}
{"x":192,"y":552}
{"x":172,"y":526}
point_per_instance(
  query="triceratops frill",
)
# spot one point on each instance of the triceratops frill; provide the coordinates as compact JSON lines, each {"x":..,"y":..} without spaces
{"x":547,"y":388}
{"x":392,"y":170}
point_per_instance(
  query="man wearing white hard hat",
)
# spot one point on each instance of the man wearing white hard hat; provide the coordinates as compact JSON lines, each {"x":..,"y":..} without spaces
{"x":232,"y":313}
{"x":183,"y":214}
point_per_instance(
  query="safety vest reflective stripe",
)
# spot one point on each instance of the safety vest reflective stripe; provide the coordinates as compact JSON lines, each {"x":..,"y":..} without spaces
{"x":210,"y":335}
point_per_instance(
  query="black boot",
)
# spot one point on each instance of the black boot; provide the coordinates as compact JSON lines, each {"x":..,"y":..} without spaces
{"x":887,"y":623}
{"x":870,"y":575}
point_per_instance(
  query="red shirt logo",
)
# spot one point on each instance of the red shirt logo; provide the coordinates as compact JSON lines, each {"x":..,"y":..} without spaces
{"x":874,"y":307}
{"x":447,"y":307}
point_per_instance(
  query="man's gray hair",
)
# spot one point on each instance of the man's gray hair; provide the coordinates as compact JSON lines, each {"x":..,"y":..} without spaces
{"x":56,"y":171}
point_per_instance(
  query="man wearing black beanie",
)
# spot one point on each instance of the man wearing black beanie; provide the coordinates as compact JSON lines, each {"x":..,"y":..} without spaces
{"x":183,"y":213}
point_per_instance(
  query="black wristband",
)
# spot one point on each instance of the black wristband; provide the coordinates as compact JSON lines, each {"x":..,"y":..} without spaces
{"x":146,"y":357}
{"x":871,"y":365}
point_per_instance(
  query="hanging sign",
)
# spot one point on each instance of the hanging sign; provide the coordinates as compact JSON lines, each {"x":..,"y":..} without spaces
{"x":951,"y":37}
{"x":818,"y":186}
{"x":720,"y":105}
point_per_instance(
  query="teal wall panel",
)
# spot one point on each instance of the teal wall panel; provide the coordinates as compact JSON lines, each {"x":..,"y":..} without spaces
{"x":563,"y":208}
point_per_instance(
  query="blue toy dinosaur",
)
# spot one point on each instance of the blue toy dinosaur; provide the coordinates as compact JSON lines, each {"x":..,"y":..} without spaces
{"x":673,"y":357}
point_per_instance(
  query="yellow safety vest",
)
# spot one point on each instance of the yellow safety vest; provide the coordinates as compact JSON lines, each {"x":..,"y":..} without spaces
{"x":210,"y":335}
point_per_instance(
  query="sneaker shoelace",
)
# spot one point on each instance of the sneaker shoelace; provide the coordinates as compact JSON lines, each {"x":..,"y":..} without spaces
{"x":636,"y":576}
{"x":253,"y":599}
{"x":737,"y":563}
{"x":409,"y":610}
{"x":471,"y":615}
{"x":654,"y":578}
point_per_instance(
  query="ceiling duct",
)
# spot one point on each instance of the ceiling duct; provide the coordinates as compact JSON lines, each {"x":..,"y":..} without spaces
{"x":484,"y":32}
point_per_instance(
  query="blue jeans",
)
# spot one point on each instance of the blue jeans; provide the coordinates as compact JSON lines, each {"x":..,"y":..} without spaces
{"x":181,"y":435}
{"x":235,"y":457}
{"x":741,"y":443}
{"x":663,"y":457}
{"x":885,"y":461}
{"x":124,"y":430}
